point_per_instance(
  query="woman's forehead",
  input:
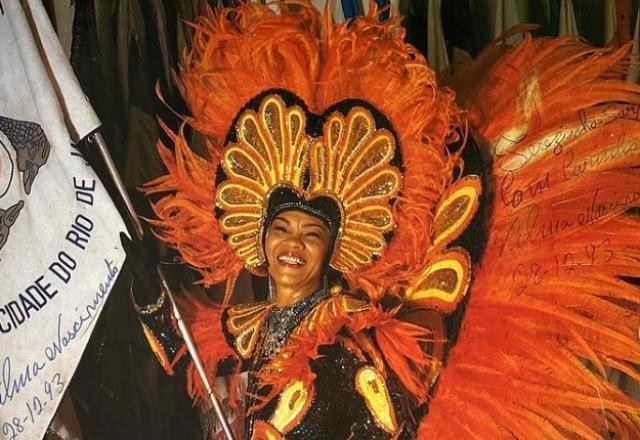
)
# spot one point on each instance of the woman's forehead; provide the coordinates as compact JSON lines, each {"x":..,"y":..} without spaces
{"x":296,"y":216}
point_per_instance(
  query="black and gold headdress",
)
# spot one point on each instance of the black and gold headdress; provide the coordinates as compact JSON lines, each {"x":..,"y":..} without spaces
{"x":339,"y":167}
{"x":343,"y":121}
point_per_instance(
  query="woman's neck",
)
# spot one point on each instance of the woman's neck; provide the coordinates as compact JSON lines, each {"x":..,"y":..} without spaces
{"x":286,"y":296}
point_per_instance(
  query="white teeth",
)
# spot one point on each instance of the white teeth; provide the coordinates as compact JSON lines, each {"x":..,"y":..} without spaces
{"x":290,"y":259}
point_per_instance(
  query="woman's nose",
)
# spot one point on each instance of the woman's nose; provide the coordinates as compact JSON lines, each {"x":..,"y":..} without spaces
{"x":296,"y":240}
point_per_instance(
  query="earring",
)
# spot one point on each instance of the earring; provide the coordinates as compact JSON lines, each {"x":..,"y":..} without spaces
{"x":272,"y":291}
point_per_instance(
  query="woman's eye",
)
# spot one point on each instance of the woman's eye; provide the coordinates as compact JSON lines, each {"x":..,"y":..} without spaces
{"x":313,"y":235}
{"x":279,"y":229}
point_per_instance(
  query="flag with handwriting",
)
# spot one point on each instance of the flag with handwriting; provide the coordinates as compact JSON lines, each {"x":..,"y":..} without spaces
{"x":59,"y":248}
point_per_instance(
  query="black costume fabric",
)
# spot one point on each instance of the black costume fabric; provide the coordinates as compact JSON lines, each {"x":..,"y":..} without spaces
{"x":337,"y":411}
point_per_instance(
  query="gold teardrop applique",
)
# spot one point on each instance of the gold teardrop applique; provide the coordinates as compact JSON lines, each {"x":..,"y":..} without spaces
{"x":443,"y":283}
{"x":245,"y":323}
{"x":292,"y":406}
{"x":372,"y":387}
{"x":456,"y":210}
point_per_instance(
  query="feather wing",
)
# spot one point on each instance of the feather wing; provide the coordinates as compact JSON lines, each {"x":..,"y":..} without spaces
{"x":552,"y":303}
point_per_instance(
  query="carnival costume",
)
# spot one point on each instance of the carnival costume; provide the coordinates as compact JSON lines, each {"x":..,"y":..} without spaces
{"x":346,"y":122}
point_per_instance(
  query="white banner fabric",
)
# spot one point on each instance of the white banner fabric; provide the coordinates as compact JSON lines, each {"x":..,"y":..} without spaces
{"x":80,"y":116}
{"x":60,"y":252}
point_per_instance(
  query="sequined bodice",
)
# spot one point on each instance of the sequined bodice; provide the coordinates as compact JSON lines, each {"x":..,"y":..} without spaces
{"x":281,"y":322}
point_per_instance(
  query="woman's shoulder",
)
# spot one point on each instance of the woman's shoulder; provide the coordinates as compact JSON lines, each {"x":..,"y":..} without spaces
{"x":243,"y":323}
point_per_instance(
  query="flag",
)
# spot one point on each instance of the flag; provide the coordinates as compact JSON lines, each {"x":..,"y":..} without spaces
{"x":59,"y":248}
{"x":436,"y":45}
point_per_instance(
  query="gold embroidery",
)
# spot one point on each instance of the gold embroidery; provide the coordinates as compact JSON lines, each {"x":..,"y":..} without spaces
{"x":245,"y":323}
{"x":322,"y":313}
{"x":371,"y":386}
{"x":270,"y":150}
{"x":353,"y":305}
{"x":349,"y":163}
{"x":457,"y":208}
{"x":293,"y":405}
{"x":444,"y":282}
{"x":157,"y":349}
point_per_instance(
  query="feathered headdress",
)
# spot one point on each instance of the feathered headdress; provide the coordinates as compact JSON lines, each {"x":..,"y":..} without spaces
{"x":298,"y":108}
{"x":350,"y":114}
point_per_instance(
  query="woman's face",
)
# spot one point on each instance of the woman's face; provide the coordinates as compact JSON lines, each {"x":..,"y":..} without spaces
{"x":296,"y":246}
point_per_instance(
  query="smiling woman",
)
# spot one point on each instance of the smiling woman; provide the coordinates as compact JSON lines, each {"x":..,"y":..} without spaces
{"x":310,"y":350}
{"x":336,"y":169}
{"x":307,"y":186}
{"x":296,"y":247}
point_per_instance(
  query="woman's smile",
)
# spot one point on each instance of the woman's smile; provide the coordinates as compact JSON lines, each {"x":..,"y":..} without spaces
{"x":291,"y":259}
{"x":296,"y":248}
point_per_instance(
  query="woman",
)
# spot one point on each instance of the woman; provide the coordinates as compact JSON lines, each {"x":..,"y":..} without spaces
{"x":307,"y":194}
{"x":331,"y":382}
{"x":315,"y":371}
{"x":336,"y":404}
{"x":334,"y":168}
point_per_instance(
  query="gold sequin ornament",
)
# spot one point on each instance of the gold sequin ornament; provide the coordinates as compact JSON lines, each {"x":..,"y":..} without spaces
{"x":244,"y":323}
{"x":270,"y":151}
{"x":372,"y":387}
{"x":349,"y":163}
{"x":293,"y":405}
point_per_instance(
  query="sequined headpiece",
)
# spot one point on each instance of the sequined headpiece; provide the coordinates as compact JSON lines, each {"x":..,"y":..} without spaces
{"x":337,"y":167}
{"x":344,"y":120}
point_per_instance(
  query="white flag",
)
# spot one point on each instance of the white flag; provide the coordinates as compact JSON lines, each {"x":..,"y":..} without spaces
{"x":59,"y":248}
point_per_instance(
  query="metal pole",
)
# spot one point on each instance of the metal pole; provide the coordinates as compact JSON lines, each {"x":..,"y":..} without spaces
{"x":115,"y":176}
{"x":186,"y":335}
{"x":195,"y":357}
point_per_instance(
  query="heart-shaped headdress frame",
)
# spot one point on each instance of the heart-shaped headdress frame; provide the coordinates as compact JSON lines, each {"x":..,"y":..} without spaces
{"x":349,"y":156}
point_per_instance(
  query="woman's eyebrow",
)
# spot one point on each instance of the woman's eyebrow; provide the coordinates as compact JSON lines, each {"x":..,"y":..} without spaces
{"x":282,"y":219}
{"x":315,"y":225}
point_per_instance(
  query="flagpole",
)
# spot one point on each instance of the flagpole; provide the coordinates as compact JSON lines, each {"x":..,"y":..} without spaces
{"x":195,"y":357}
{"x":97,"y":139}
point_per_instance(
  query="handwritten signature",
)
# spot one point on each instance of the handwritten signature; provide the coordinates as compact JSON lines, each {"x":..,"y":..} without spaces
{"x":510,"y":147}
{"x":529,"y":228}
{"x":565,"y":263}
{"x":12,"y":385}
{"x":623,"y":148}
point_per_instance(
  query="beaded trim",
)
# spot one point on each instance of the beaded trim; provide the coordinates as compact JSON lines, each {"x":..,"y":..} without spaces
{"x":150,"y":308}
